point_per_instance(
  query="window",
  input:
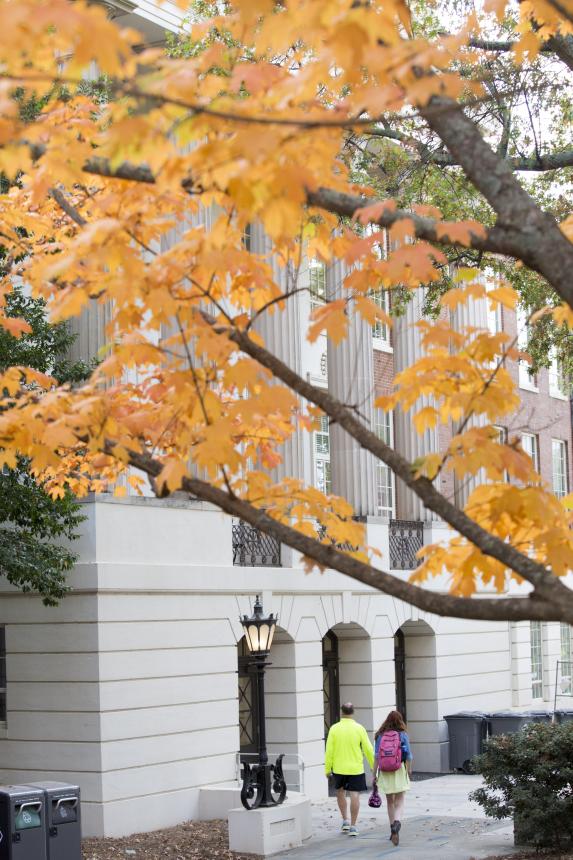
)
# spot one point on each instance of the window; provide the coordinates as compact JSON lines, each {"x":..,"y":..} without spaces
{"x":526,"y":379}
{"x":317,"y":283}
{"x":2,"y":674}
{"x":381,"y":331}
{"x":385,"y":491}
{"x":530,"y":446}
{"x":560,"y":480}
{"x":536,"y":660}
{"x":566,"y":686}
{"x":501,"y":434}
{"x":557,"y":381}
{"x":322,"y":474}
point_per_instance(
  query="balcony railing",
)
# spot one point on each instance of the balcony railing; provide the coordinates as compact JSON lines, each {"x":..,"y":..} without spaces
{"x":252,"y":548}
{"x":406,"y":538}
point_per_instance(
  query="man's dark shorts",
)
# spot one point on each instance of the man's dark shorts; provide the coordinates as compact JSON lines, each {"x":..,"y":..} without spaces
{"x":350,"y":782}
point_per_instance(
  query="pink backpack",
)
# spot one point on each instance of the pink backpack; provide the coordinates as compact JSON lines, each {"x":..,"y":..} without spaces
{"x":390,"y":752}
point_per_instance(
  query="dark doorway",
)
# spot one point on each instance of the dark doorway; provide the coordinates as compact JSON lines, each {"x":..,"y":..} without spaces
{"x":400,"y":672}
{"x":330,"y":682}
{"x":248,"y":706}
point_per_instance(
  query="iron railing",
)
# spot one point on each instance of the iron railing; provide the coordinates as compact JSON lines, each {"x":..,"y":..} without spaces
{"x":406,"y":538}
{"x":252,"y":548}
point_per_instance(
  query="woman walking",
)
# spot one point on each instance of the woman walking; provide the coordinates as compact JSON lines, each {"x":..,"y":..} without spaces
{"x":394,"y":783}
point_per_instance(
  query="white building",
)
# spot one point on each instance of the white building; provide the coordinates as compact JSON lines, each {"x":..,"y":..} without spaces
{"x":134,"y":686}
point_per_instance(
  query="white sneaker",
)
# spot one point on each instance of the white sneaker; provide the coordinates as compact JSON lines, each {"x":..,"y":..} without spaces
{"x":345,"y":826}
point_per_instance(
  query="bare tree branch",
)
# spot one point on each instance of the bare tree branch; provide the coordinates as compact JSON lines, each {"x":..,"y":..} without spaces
{"x":541,"y":162}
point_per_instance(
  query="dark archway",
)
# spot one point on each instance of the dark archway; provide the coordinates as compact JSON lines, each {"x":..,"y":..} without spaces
{"x":330,"y":681}
{"x":248,"y":702}
{"x":400,"y":673}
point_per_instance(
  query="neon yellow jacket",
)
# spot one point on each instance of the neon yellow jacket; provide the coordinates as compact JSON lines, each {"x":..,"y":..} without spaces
{"x":346,"y":746}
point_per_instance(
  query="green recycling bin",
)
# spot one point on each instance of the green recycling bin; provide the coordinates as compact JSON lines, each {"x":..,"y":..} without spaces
{"x":22,"y":823}
{"x":63,"y":820}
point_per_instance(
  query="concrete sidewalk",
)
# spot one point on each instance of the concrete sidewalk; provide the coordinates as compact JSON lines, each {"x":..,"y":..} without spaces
{"x":439,"y":823}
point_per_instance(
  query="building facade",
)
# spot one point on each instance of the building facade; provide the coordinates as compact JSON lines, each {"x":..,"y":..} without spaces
{"x":137,"y":686}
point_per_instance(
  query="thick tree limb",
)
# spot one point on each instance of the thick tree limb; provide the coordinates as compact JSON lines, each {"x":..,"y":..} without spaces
{"x":546,"y":585}
{"x":532,"y":233}
{"x":495,"y":609}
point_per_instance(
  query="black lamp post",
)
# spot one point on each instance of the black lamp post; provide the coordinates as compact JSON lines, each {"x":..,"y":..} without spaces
{"x":263,"y":783}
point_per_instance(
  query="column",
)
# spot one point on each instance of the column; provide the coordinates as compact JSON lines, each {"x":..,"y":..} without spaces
{"x":351,"y":380}
{"x":412,"y":445}
{"x":282,"y":331}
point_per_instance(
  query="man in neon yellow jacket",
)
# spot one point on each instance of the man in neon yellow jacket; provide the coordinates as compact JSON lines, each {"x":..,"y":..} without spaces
{"x":346,"y":746}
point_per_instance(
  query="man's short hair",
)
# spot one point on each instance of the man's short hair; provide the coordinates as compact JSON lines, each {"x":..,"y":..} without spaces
{"x":347,"y":709}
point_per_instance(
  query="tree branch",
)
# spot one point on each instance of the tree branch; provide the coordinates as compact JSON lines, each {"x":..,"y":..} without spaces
{"x":546,"y":585}
{"x":495,"y":609}
{"x":531,"y":163}
{"x":527,"y":232}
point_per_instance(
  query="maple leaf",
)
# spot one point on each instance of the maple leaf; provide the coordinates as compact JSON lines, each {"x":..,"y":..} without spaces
{"x":15,"y":326}
{"x":332,"y":319}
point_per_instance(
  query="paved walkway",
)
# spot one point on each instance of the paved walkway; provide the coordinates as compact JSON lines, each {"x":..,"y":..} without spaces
{"x":440,"y":823}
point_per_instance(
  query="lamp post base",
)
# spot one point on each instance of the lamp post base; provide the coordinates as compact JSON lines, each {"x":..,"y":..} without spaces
{"x":263,"y":785}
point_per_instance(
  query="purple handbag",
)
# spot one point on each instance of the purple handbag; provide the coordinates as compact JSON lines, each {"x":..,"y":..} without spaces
{"x":375,"y":801}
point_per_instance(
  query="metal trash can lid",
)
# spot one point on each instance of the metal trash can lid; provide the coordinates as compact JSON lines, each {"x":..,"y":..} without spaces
{"x":513,"y":714}
{"x":21,"y":791}
{"x":467,"y":715}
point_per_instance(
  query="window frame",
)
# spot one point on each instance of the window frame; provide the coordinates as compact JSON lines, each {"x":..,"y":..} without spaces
{"x":316,"y":288}
{"x":557,"y":383}
{"x":535,"y":454}
{"x":321,"y":457}
{"x":566,"y":652}
{"x":381,"y":332}
{"x":385,"y":478}
{"x":563,"y":475}
{"x":536,"y":659}
{"x":527,"y":380}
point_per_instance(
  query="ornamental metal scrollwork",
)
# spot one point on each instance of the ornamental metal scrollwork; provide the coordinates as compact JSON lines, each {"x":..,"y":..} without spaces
{"x":254,"y":778}
{"x":406,"y":538}
{"x":253,"y":548}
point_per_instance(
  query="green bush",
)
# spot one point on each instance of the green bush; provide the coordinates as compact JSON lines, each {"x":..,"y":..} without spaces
{"x":529,"y":777}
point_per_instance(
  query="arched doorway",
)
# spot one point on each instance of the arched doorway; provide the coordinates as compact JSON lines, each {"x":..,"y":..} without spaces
{"x":400,"y":672}
{"x":248,"y":703}
{"x":417,"y":684}
{"x":347,"y":673}
{"x":330,"y":681}
{"x":280,"y":699}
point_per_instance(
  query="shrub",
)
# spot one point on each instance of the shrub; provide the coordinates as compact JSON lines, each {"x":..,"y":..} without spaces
{"x":529,"y":776}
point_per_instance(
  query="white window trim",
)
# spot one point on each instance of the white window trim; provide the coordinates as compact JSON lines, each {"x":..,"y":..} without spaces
{"x":553,"y":374}
{"x":526,"y":380}
{"x":535,"y":458}
{"x":541,"y":680}
{"x":382,"y":345}
{"x":564,"y":447}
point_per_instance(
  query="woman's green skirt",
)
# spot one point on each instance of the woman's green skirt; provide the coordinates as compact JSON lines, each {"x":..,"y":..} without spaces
{"x":394,"y":781}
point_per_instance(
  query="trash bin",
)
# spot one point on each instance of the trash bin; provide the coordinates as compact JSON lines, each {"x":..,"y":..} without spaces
{"x":63,"y":820}
{"x":467,"y":732}
{"x":564,"y":715}
{"x":22,"y":823}
{"x":509,"y":722}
